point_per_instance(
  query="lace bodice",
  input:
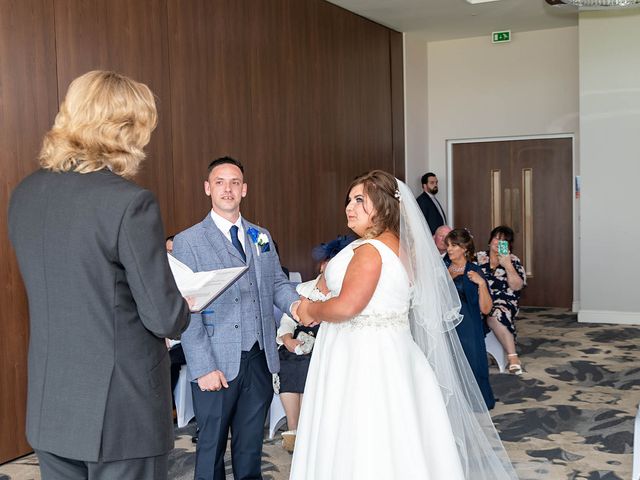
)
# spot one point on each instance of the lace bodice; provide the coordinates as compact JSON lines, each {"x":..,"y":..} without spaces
{"x":392,"y":295}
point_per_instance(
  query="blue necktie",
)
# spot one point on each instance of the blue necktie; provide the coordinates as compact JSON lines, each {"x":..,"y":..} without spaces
{"x":236,"y":242}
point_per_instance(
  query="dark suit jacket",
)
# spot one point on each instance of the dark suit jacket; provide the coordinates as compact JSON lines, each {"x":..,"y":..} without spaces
{"x":101,"y":299}
{"x":430,"y":212}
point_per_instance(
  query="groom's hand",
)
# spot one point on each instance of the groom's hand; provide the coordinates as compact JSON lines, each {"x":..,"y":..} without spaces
{"x":212,"y":381}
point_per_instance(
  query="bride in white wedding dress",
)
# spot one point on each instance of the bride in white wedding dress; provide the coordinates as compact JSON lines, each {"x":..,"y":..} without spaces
{"x":389,"y":394}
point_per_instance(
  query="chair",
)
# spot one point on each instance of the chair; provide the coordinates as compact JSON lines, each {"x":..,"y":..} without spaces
{"x":276,"y":415}
{"x":636,"y":448}
{"x":276,"y":411}
{"x":494,"y":348}
{"x":183,"y":398}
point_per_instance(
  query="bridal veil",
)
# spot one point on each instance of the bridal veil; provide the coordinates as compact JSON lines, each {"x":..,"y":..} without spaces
{"x":433,"y":316}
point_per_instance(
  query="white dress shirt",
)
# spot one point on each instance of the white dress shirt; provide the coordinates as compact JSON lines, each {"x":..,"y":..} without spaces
{"x":225,"y":225}
{"x":438,"y":206}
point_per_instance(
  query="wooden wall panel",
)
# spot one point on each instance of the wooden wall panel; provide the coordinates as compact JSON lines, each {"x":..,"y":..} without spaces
{"x":28,"y":104}
{"x":210,"y":98}
{"x":396,"y":49}
{"x":299,"y":91}
{"x":129,"y":37}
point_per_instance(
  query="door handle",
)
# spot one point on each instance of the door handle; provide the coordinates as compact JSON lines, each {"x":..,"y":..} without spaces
{"x":507,"y":206}
{"x":527,"y":219}
{"x":515,"y":211}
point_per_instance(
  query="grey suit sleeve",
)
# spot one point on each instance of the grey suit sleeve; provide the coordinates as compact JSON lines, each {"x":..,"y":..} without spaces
{"x":141,"y":251}
{"x":196,"y":344}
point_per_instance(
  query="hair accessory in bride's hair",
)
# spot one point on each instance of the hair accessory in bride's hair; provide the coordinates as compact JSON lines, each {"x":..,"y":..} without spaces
{"x":397,"y":194}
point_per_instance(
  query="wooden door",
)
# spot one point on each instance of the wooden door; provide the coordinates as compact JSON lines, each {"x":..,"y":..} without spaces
{"x":526,"y":184}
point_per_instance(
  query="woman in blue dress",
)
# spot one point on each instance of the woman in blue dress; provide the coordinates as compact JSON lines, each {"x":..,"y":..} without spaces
{"x":475,"y":300}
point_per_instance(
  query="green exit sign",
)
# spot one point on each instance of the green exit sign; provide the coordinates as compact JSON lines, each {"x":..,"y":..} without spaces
{"x":501,"y":37}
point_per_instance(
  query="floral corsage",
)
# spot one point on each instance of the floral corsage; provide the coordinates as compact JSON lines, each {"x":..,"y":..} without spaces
{"x":259,"y":239}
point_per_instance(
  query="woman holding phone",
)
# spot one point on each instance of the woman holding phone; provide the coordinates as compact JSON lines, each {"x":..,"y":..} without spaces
{"x":507,"y":278}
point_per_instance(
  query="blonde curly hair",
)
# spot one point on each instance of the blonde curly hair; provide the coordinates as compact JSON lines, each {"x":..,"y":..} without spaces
{"x":105,"y":121}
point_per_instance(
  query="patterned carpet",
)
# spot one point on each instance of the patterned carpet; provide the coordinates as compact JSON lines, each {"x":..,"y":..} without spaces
{"x":569,"y":416}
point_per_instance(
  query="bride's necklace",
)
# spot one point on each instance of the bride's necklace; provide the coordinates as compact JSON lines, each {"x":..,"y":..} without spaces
{"x":455,"y":269}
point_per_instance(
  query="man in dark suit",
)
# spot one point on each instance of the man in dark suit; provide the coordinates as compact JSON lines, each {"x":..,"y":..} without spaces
{"x":90,"y":247}
{"x":231,"y":346}
{"x":429,"y":204}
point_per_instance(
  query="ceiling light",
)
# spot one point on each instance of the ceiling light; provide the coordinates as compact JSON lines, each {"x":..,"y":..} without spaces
{"x":473,"y":2}
{"x":598,"y":4}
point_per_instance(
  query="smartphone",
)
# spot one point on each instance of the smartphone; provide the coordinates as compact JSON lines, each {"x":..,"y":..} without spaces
{"x":503,"y":247}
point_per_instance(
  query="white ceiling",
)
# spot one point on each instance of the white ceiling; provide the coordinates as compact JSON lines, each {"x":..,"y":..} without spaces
{"x":448,"y":19}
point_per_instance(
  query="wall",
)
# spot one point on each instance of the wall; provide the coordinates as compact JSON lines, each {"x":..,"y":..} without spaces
{"x":416,"y":108}
{"x":28,"y":104}
{"x":610,"y":166}
{"x":305,"y":94}
{"x":476,"y":90}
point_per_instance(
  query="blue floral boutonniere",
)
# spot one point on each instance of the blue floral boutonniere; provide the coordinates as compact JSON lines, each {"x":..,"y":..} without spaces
{"x":260,"y":240}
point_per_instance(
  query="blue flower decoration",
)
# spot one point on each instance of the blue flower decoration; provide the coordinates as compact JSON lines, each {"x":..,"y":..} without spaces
{"x":253,"y":234}
{"x":260,"y":240}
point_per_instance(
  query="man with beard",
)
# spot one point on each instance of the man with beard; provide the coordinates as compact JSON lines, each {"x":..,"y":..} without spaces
{"x":431,"y":208}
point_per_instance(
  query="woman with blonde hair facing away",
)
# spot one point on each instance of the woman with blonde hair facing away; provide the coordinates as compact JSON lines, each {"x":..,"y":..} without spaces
{"x":90,"y":247}
{"x":389,"y":393}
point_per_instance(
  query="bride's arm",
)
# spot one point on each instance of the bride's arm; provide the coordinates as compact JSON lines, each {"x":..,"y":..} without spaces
{"x":360,"y":281}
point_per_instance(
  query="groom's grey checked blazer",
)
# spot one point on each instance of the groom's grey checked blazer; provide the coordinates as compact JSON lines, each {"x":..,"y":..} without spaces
{"x":213,"y":339}
{"x":101,"y":298}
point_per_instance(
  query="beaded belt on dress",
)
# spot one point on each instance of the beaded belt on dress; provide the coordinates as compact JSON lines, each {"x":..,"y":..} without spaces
{"x":382,"y":320}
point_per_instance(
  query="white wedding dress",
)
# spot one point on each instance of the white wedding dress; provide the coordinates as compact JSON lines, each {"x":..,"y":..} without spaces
{"x":372,"y":406}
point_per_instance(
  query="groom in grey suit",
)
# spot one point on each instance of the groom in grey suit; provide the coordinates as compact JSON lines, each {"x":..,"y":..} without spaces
{"x":230,"y":346}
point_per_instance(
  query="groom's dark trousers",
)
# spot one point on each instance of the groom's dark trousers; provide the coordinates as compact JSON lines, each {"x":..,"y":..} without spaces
{"x":241,"y":408}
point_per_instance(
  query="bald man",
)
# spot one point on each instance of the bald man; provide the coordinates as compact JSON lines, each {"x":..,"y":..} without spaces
{"x":438,"y":237}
